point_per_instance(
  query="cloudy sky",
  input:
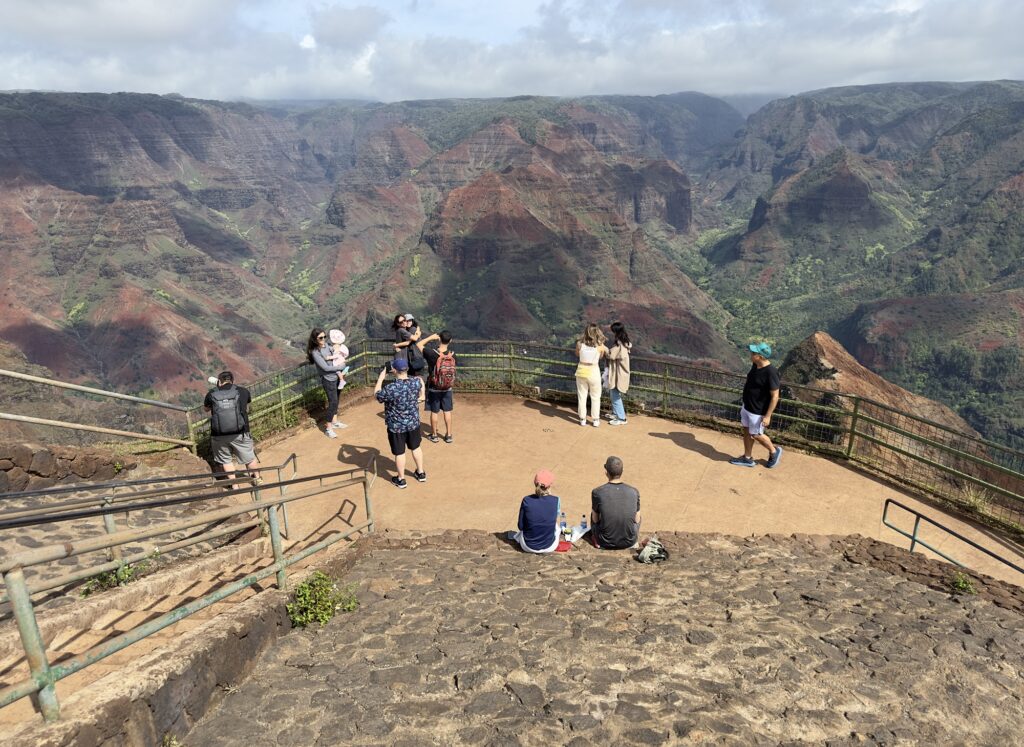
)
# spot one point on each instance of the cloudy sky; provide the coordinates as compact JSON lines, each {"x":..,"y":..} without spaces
{"x":407,"y":49}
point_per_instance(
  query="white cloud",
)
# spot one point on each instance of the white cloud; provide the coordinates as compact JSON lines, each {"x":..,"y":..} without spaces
{"x":440,"y":48}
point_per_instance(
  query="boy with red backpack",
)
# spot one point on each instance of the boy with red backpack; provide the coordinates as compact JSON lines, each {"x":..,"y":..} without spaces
{"x":440,"y":381}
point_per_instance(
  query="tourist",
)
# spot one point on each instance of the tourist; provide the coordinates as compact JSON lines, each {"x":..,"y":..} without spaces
{"x":441,"y":361}
{"x":538,"y":517}
{"x":590,"y":349}
{"x":407,"y":334}
{"x":760,"y":397}
{"x":317,"y":352}
{"x":401,"y":399}
{"x":618,"y":372}
{"x":615,"y":510}
{"x":228,"y":406}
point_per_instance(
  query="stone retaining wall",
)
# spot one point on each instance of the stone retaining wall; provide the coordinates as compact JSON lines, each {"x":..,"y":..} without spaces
{"x":35,"y":467}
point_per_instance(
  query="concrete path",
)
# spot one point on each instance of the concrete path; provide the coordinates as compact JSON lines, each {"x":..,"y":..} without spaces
{"x":685,"y":480}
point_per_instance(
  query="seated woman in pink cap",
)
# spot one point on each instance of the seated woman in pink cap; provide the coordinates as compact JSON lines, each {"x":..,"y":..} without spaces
{"x":538,"y":516}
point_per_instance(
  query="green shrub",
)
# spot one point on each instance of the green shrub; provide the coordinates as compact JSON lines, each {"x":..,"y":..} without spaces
{"x":317,"y":599}
{"x":961,"y":583}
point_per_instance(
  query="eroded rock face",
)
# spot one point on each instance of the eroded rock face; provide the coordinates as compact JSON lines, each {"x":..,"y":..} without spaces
{"x":460,"y":639}
{"x":34,"y":467}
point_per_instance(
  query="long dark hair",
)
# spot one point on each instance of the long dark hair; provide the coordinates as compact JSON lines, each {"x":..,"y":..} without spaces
{"x":621,"y":336}
{"x":399,"y":318}
{"x":312,"y":344}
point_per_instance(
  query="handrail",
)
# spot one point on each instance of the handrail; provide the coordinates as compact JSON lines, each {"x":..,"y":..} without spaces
{"x":91,"y":390}
{"x":915,"y":540}
{"x":93,"y":429}
{"x":44,"y":677}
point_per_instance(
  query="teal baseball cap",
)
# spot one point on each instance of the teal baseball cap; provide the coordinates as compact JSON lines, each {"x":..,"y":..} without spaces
{"x":761,"y":348}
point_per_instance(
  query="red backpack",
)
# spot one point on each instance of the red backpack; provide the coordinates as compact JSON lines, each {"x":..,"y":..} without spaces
{"x":442,"y":377}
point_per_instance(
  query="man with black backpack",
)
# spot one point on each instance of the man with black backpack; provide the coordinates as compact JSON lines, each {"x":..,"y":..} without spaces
{"x":440,"y":381}
{"x":229,"y":425}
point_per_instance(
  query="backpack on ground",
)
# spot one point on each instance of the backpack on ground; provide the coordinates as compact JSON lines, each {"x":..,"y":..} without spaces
{"x":652,"y":552}
{"x":226,"y":412}
{"x":442,"y":378}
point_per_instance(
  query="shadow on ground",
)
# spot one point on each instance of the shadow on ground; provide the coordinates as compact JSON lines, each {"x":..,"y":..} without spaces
{"x":690,"y":443}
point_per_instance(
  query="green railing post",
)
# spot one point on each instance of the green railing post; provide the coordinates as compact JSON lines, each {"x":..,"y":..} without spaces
{"x":853,"y":427}
{"x":275,"y":544}
{"x":279,"y":385}
{"x":32,"y":640}
{"x":511,"y":367}
{"x":913,"y":539}
{"x":194,"y":448}
{"x":664,"y":390}
{"x":366,"y":363}
{"x":110,"y":527}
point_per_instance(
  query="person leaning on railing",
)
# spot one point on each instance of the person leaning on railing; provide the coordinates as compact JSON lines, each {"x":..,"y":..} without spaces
{"x":317,"y":352}
{"x":590,"y":349}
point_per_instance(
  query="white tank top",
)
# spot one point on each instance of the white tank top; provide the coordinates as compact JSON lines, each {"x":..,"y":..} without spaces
{"x":588,"y":354}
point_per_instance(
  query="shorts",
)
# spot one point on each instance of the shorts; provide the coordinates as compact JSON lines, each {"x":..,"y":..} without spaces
{"x":439,"y":401}
{"x":753,"y":423}
{"x":238,"y":444}
{"x":399,"y":441}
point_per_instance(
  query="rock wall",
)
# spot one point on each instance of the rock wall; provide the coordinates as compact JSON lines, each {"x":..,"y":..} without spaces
{"x":34,"y":467}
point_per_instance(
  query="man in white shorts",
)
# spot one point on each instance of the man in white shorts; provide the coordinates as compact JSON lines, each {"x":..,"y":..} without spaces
{"x":760,"y":396}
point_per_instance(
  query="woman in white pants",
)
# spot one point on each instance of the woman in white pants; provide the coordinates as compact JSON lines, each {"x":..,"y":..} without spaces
{"x":590,"y":349}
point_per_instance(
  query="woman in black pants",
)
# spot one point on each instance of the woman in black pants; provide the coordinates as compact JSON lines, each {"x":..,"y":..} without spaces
{"x":316,"y":349}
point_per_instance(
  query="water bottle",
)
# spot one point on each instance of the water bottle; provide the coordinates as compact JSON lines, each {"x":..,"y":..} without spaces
{"x":583,"y":524}
{"x":562,"y":524}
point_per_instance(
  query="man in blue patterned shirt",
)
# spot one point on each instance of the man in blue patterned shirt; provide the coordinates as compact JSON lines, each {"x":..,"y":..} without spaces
{"x":401,"y":399}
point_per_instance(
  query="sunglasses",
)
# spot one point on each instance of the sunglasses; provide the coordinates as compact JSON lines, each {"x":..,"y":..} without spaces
{"x":321,"y":337}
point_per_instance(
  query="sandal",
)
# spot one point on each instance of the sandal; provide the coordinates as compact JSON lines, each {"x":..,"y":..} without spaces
{"x":448,"y":439}
{"x":433,"y":438}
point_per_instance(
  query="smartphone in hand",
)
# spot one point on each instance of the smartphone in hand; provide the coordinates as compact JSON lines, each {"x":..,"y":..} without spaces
{"x":387,"y":366}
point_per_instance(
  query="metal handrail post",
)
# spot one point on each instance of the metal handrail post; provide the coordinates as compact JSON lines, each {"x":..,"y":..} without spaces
{"x":853,"y":426}
{"x":194,"y":448}
{"x":664,"y":390}
{"x":32,"y":640}
{"x":913,"y":538}
{"x":284,"y":507}
{"x":275,"y":544}
{"x":366,"y":363}
{"x":511,"y":367}
{"x":110,"y":527}
{"x":366,"y":499}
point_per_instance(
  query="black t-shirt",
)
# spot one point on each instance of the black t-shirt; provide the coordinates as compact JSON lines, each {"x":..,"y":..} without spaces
{"x":617,"y":505}
{"x":432,"y":352}
{"x":757,"y":391}
{"x":412,"y":352}
{"x":244,"y":398}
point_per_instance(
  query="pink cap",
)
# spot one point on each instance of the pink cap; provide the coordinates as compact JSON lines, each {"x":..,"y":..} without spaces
{"x":545,"y":478}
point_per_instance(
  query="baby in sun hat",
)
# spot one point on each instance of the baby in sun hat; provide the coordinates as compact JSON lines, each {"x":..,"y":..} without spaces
{"x":339,"y":353}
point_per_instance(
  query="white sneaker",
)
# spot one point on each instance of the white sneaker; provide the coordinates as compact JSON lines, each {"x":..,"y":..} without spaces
{"x":597,"y":423}
{"x":330,"y":433}
{"x":583,"y":421}
{"x":616,"y":421}
{"x":338,"y":424}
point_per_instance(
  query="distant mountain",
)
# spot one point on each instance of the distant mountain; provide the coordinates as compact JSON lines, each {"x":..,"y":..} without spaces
{"x":150,"y":240}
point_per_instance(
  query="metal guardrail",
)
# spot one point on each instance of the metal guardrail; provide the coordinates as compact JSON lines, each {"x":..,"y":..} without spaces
{"x":904,"y":448}
{"x":916,"y":540}
{"x":107,"y":506}
{"x":44,"y":677}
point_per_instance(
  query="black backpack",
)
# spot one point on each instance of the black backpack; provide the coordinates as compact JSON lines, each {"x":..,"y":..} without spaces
{"x":226,"y":413}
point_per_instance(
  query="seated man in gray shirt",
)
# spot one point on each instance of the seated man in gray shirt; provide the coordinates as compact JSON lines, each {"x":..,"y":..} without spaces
{"x":615,"y":510}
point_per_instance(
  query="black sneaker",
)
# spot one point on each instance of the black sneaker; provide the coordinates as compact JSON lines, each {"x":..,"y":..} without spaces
{"x":774,"y":458}
{"x":421,"y":476}
{"x":743,"y":461}
{"x":399,"y":482}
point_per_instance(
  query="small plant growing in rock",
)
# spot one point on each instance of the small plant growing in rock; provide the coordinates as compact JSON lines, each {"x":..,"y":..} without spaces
{"x":117,"y":577}
{"x":961,"y":583}
{"x":317,"y":599}
{"x":170,"y":740}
